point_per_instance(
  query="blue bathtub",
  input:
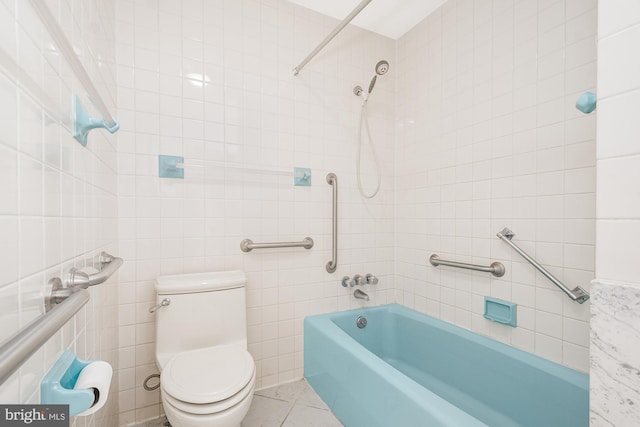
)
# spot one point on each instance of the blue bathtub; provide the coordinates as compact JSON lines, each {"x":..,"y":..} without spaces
{"x":408,"y":369}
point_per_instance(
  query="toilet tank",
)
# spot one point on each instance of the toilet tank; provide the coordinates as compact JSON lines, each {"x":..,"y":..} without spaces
{"x":206,"y":309}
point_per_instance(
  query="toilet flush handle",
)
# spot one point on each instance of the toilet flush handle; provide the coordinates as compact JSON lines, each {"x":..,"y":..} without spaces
{"x":165,"y":302}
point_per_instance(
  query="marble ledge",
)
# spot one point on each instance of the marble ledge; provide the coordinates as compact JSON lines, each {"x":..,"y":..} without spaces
{"x":615,"y":354}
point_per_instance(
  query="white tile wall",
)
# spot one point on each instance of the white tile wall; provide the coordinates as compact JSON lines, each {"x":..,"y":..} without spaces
{"x":59,"y":199}
{"x":618,"y":217}
{"x":488,"y":137}
{"x":253,"y":113}
{"x":618,"y":151}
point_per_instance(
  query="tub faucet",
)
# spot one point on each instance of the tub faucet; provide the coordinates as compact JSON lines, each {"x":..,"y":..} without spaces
{"x":358,"y":294}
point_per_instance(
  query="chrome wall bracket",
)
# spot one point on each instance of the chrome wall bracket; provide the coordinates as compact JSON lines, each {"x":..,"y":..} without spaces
{"x":108,"y":263}
{"x":58,"y":290}
{"x":56,"y":293}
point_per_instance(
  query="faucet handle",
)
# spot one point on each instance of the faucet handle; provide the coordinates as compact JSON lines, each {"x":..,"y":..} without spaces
{"x":371,"y":279}
{"x":360,"y":280}
{"x":348,"y":281}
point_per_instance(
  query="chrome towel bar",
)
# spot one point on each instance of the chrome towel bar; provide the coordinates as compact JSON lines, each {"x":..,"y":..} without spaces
{"x":577,"y":294}
{"x":247,"y":245}
{"x":21,"y":346}
{"x":496,"y":268}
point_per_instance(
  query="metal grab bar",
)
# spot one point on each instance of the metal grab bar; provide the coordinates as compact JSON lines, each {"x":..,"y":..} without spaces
{"x":496,"y":268}
{"x":21,"y":346}
{"x":577,"y":294}
{"x":110,"y":264}
{"x":76,"y":279}
{"x":331,"y":35}
{"x":331,"y":266}
{"x":247,"y":245}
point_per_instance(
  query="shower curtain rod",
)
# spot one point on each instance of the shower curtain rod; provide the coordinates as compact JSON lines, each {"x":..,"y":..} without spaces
{"x":331,"y":35}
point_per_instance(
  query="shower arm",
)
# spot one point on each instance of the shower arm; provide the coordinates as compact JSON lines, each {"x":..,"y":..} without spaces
{"x":331,"y":35}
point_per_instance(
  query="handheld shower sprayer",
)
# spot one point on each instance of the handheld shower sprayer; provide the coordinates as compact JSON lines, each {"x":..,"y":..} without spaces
{"x":381,"y":69}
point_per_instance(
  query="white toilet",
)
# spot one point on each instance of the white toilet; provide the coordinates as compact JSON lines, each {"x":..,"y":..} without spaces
{"x":207,"y":376}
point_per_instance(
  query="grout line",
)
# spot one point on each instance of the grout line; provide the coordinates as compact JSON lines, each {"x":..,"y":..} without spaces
{"x":272,"y":398}
{"x":287,"y":416}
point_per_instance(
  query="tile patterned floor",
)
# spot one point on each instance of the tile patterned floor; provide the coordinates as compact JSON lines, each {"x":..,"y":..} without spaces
{"x":289,"y":405}
{"x":153,"y":423}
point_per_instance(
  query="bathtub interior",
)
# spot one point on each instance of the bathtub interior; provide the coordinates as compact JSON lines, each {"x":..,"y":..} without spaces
{"x":495,"y":383}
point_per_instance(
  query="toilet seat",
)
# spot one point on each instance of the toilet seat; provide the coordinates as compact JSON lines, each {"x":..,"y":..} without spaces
{"x":211,"y":408}
{"x":208,"y":380}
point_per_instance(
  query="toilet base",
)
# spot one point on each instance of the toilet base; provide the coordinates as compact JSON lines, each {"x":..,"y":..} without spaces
{"x":231,"y":417}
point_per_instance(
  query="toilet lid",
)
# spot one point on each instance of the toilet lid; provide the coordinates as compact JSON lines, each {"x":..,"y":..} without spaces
{"x":208,"y":375}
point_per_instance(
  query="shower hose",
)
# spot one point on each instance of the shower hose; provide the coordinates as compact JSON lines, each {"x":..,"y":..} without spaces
{"x":364,"y":120}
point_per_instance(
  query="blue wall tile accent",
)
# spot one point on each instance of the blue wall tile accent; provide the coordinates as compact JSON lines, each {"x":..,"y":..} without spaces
{"x":167,"y":166}
{"x":302,"y":177}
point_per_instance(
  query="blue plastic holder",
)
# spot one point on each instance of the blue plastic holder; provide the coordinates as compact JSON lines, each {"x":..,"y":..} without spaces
{"x":168,"y":166}
{"x":57,"y":386}
{"x":83,"y":123}
{"x":302,"y":177}
{"x":500,"y":311}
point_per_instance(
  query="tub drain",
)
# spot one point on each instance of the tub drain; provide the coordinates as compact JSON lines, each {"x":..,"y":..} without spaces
{"x":361,"y":322}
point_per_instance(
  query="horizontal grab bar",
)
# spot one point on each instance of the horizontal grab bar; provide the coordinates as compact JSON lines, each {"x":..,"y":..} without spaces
{"x":84,"y":280}
{"x":577,"y":294}
{"x":21,"y":346}
{"x":496,"y":268}
{"x":247,"y":245}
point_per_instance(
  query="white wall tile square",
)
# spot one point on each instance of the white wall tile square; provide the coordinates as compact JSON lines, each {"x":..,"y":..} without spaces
{"x":617,"y":71}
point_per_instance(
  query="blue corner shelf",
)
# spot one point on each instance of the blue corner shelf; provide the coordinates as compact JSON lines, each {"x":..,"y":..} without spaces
{"x":83,"y":123}
{"x":57,"y":386}
{"x":500,"y":311}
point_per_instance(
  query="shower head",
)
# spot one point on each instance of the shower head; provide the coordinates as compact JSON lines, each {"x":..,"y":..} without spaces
{"x":381,"y":69}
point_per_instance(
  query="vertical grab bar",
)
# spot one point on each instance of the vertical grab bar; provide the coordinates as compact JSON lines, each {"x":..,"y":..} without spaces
{"x":332,"y":179}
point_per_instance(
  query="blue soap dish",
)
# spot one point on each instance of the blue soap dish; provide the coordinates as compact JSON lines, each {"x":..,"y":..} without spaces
{"x":500,"y":311}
